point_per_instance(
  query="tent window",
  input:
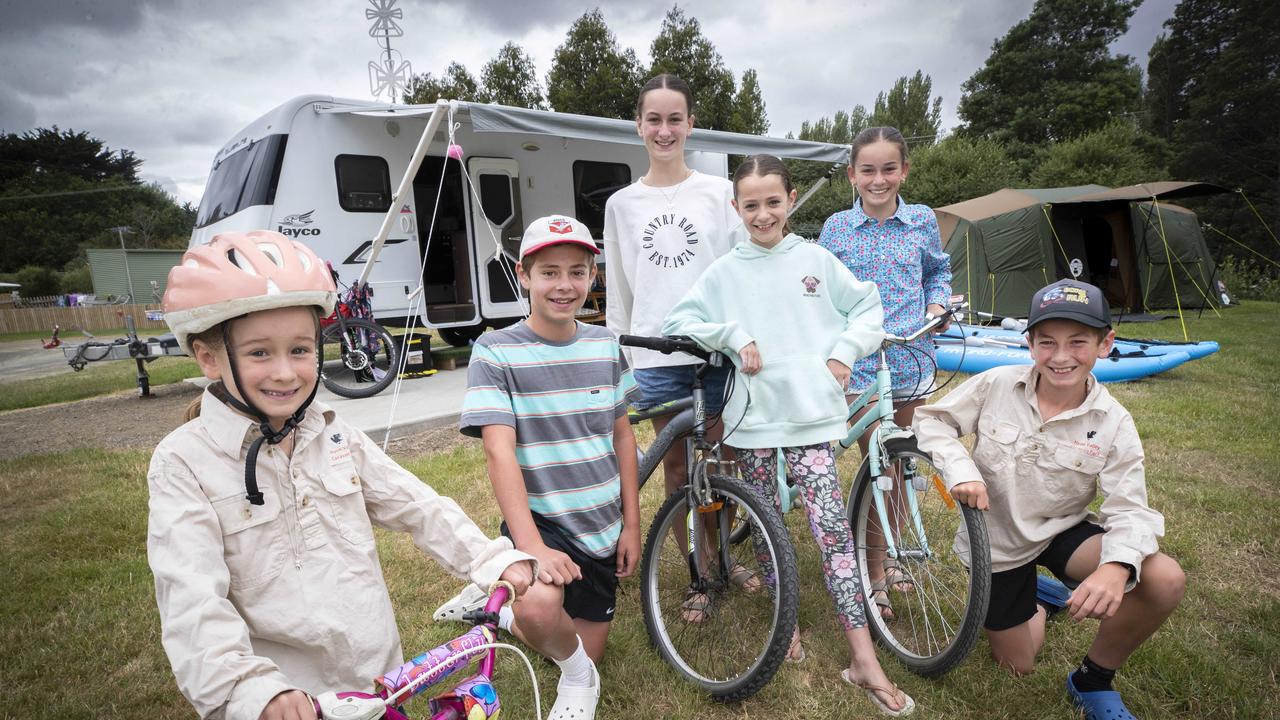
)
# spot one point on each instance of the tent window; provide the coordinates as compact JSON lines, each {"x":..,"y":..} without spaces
{"x":364,"y":183}
{"x":593,"y":184}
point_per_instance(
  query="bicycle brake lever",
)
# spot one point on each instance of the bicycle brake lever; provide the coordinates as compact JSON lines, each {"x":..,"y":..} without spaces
{"x":355,"y":706}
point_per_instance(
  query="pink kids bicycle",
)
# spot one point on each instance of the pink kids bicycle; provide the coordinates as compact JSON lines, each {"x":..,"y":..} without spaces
{"x":472,"y":699}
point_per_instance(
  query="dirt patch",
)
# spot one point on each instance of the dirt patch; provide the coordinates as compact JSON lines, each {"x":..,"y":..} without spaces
{"x":124,"y":420}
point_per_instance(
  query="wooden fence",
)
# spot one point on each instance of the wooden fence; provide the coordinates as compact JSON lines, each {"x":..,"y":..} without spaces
{"x":81,"y":317}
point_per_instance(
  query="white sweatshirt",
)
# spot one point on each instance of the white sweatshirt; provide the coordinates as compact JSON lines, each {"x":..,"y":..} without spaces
{"x":657,"y":242}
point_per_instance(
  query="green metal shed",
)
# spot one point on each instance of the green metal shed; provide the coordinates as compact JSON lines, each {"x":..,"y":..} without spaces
{"x":112,"y":268}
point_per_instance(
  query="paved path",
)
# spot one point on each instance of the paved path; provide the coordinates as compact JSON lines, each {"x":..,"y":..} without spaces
{"x":25,"y":359}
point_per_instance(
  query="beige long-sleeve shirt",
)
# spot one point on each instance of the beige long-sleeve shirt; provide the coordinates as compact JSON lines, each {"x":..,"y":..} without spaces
{"x":1042,"y":475}
{"x":255,"y":600}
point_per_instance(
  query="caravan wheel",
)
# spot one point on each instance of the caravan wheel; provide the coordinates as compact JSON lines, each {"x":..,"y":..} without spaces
{"x":460,"y":336}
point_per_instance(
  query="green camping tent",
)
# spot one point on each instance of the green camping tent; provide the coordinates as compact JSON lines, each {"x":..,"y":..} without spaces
{"x":1145,"y":253}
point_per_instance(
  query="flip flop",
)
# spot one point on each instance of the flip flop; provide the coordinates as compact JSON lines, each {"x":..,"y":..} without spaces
{"x":1052,"y":594}
{"x":576,"y":703}
{"x":908,"y":704}
{"x":1099,"y":704}
{"x":696,"y":608}
{"x":880,"y":596}
{"x":745,"y":580}
{"x":896,"y":578}
{"x":795,"y":651}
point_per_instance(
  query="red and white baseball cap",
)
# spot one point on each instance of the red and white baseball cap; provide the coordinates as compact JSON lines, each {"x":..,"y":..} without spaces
{"x":555,"y":230}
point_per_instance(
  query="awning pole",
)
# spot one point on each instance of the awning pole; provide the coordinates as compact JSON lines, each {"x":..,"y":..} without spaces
{"x":816,"y":187}
{"x":397,"y":200}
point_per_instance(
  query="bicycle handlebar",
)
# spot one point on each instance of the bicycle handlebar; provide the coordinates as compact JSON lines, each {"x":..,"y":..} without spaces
{"x":933,"y":323}
{"x":666,"y":345}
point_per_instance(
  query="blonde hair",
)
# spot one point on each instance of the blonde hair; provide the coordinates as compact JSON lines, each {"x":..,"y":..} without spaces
{"x":213,"y":339}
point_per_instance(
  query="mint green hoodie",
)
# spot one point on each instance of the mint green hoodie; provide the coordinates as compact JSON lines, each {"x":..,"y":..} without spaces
{"x":801,"y":306}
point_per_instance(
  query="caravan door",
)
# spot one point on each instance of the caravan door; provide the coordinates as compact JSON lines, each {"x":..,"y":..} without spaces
{"x":496,"y":227}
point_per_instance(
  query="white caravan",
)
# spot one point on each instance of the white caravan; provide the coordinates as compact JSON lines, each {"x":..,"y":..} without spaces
{"x":361,"y":182}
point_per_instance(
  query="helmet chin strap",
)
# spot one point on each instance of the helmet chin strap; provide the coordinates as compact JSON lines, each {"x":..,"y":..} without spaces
{"x":246,"y":406}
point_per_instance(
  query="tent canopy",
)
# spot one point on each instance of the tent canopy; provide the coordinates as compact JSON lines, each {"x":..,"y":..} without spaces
{"x":1145,"y":253}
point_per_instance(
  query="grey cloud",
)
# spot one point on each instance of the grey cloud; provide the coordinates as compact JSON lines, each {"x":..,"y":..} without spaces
{"x":17,"y":114}
{"x":22,"y":17}
{"x":517,"y":19}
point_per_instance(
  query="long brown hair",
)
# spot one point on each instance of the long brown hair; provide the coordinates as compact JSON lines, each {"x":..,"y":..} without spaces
{"x":666,"y":81}
{"x":760,"y":166}
{"x":875,"y":135}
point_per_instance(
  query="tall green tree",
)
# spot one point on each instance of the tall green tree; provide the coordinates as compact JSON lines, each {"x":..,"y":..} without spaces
{"x":1117,"y":155}
{"x":682,"y":50}
{"x":61,"y":189}
{"x":907,"y":107}
{"x":456,"y":83}
{"x":958,"y":168}
{"x":1053,"y":77}
{"x":590,"y":74}
{"x":749,"y":114}
{"x":1214,"y":94}
{"x":510,"y":79}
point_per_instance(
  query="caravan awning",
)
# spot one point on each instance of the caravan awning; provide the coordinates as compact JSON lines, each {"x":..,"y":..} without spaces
{"x":503,"y":119}
{"x":498,"y":118}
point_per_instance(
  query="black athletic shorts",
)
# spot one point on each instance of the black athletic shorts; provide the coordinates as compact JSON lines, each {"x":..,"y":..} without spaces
{"x":1013,"y":592}
{"x":593,"y":597}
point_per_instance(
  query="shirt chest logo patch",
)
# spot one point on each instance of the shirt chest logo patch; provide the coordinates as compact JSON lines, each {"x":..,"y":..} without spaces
{"x":1092,"y":449}
{"x":811,"y":284}
{"x":339,"y":451}
{"x":670,"y":240}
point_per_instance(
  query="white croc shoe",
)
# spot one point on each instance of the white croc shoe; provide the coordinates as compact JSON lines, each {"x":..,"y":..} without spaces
{"x":576,"y":703}
{"x":471,"y":598}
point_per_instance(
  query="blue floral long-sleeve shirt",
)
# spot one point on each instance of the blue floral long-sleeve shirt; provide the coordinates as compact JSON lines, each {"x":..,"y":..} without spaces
{"x":903,"y":256}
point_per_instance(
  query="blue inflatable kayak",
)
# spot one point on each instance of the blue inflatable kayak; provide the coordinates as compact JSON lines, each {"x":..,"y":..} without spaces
{"x":1123,"y":346}
{"x":973,"y":358}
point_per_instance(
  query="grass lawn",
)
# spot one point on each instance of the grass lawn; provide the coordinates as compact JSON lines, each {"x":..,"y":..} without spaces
{"x":95,"y":379}
{"x":78,"y":603}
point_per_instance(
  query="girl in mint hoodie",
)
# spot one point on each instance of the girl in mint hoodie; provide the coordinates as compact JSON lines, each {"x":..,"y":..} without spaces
{"x":794,"y":319}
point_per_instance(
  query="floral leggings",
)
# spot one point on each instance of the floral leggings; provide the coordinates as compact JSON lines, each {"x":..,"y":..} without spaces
{"x":813,"y":469}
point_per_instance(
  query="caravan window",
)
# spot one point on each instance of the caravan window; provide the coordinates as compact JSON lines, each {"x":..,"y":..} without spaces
{"x":364,"y":183}
{"x":243,"y":179}
{"x":500,"y":201}
{"x":593,"y":184}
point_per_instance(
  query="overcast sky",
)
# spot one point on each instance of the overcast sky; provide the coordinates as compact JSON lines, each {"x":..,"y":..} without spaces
{"x":173,"y":80}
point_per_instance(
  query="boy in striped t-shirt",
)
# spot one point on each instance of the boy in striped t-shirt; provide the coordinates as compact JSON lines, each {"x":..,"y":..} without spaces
{"x":549,"y":397}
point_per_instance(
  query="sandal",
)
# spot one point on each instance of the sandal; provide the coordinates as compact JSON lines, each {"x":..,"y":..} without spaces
{"x":896,"y":578}
{"x":880,"y":596}
{"x":696,"y":608}
{"x":795,"y":651}
{"x":908,"y":704}
{"x":1099,"y":704}
{"x":745,"y":580}
{"x":576,"y":703}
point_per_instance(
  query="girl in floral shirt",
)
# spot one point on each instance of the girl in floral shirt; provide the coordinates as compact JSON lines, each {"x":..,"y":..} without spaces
{"x":898,"y":247}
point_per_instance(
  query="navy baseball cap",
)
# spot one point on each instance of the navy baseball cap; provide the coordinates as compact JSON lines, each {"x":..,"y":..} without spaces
{"x":1070,"y":300}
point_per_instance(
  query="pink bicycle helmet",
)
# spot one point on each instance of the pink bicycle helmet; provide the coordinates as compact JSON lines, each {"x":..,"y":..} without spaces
{"x":239,"y":273}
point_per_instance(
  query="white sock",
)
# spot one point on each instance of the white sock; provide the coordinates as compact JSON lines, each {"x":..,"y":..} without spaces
{"x":577,"y":670}
{"x":505,"y":616}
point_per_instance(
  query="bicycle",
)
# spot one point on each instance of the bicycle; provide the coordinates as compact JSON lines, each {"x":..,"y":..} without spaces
{"x":472,"y":699}
{"x":941,"y":546}
{"x":359,"y":358}
{"x":734,"y":644}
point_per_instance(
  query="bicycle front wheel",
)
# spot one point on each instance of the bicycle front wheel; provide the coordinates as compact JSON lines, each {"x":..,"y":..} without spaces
{"x":943,"y":552}
{"x":360,"y":362}
{"x":720,"y":615}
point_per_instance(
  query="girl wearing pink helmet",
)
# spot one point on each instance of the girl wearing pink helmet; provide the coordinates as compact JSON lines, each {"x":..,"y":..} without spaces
{"x":267,"y":575}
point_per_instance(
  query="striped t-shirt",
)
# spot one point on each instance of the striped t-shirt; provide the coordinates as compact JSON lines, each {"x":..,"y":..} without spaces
{"x":562,"y":399}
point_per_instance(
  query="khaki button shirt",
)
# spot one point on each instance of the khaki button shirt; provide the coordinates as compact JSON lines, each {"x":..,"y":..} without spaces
{"x":1041,"y":475}
{"x":258,"y":599}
